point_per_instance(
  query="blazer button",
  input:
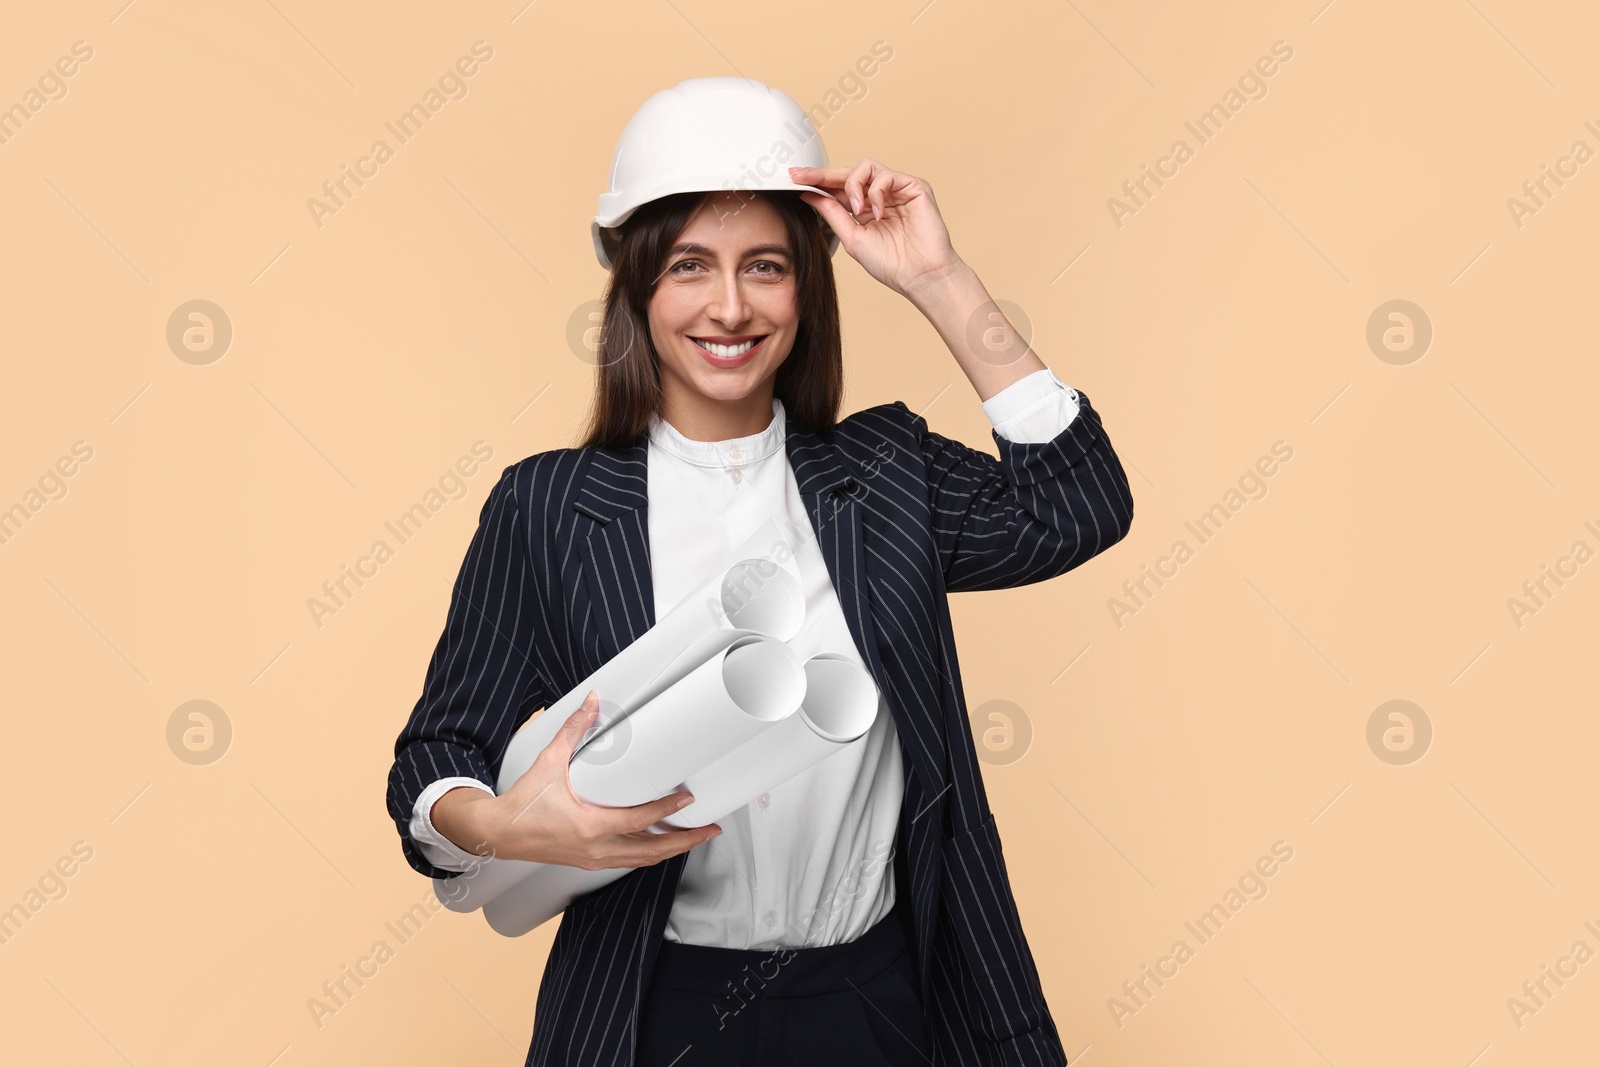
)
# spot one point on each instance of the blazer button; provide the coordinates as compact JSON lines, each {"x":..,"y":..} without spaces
{"x":764,"y":799}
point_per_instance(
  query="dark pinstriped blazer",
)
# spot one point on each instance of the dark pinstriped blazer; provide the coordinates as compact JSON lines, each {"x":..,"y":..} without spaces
{"x":557,"y":580}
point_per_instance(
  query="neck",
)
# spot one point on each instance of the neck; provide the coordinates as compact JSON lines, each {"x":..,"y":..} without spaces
{"x":702,"y":418}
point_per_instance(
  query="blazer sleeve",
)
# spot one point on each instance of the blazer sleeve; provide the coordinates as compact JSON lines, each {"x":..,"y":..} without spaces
{"x":1038,"y":511}
{"x":481,"y":682}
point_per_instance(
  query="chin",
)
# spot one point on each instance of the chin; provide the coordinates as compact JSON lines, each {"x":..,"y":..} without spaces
{"x":727,"y":386}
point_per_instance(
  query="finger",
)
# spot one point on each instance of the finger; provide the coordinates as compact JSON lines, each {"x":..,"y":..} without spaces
{"x":639,"y":816}
{"x":575,"y":727}
{"x":855,"y":186}
{"x":877,"y":192}
{"x":644,"y":849}
{"x":836,"y":215}
{"x":834,"y":182}
{"x":690,"y":839}
{"x":823,"y":177}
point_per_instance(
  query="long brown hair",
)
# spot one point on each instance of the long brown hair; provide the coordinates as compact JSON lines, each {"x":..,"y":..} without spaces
{"x":810,"y":381}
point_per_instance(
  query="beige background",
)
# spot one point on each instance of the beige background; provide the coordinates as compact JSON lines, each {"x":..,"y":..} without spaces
{"x":431,"y":311}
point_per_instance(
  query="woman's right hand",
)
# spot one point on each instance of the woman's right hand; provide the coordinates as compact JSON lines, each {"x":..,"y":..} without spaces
{"x":540,"y":818}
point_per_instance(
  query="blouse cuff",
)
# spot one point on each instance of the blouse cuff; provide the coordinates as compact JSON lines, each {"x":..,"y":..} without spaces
{"x":436,"y":848}
{"x":1033,"y":409}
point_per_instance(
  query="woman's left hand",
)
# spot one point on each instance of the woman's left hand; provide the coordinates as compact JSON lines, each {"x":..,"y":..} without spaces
{"x":902,"y":241}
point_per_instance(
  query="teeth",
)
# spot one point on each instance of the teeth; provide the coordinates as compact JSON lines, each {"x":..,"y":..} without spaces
{"x":726,"y":351}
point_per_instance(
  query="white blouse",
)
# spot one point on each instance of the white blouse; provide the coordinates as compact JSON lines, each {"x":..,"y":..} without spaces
{"x":810,"y":862}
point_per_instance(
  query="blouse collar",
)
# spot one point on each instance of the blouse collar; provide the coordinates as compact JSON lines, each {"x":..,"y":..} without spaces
{"x":732,"y":452}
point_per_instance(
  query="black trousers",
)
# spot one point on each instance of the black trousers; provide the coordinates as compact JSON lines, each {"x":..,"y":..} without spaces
{"x":854,"y":1004}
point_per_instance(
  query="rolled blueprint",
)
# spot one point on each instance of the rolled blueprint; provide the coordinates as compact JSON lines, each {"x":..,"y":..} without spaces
{"x":710,"y":700}
{"x":840,"y":704}
{"x":757,"y":592}
{"x":752,"y":593}
{"x":754,"y":683}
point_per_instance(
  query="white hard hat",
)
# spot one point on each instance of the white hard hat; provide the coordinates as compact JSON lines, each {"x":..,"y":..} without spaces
{"x":708,"y":134}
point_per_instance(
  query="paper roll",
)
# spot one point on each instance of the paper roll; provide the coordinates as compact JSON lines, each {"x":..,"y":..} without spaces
{"x":710,"y":700}
{"x":841,"y":701}
{"x":753,"y":594}
{"x":730,"y":699}
{"x":487,"y":879}
{"x":756,"y":592}
{"x":740,"y":693}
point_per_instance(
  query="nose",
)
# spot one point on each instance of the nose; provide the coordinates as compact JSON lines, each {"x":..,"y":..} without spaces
{"x":728,"y":304}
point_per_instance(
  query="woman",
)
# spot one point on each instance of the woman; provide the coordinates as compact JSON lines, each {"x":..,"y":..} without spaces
{"x":860,"y":912}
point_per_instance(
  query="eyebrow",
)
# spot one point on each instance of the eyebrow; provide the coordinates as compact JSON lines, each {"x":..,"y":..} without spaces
{"x":702,"y":250}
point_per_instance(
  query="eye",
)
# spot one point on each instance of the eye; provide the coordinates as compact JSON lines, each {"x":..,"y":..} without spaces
{"x":776,"y":271}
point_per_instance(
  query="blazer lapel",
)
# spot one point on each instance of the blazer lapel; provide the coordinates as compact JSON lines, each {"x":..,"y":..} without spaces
{"x":831,"y":496}
{"x":834,"y":498}
{"x":615,"y":556}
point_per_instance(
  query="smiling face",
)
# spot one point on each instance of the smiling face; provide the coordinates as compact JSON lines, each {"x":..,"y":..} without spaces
{"x":727,"y":281}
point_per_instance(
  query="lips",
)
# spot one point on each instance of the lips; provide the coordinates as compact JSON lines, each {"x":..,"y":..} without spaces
{"x":733,"y":361}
